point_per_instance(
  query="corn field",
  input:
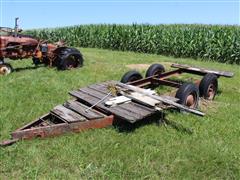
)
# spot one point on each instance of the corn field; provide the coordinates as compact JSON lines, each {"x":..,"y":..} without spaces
{"x":209,"y":42}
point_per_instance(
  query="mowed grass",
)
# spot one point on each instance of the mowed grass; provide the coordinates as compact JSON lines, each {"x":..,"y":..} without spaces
{"x":212,"y":151}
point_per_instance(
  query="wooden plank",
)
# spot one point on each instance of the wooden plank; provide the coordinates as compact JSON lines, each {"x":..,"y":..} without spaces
{"x":84,"y":97}
{"x":117,"y":100}
{"x":96,"y":93}
{"x":122,"y":108}
{"x":130,"y":107}
{"x":67,"y":114}
{"x":167,"y":101}
{"x":99,"y":87}
{"x":118,"y":112}
{"x":81,"y":109}
{"x":136,"y":108}
{"x":103,"y":87}
{"x":203,"y":70}
{"x":143,"y":99}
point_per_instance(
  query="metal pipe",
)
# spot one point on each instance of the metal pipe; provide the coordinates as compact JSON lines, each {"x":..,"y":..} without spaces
{"x":16,"y":27}
{"x":98,"y":102}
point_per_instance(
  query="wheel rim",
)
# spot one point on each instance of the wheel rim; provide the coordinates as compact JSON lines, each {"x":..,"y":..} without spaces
{"x":191,"y":100}
{"x":72,"y":62}
{"x":211,"y":92}
{"x":4,"y":70}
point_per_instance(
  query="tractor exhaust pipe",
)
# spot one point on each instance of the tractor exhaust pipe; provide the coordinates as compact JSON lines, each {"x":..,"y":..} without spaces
{"x":16,"y":27}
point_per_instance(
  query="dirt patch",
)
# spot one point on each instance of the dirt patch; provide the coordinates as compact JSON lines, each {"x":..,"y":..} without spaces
{"x":138,"y":66}
{"x":205,"y":105}
{"x":146,"y":66}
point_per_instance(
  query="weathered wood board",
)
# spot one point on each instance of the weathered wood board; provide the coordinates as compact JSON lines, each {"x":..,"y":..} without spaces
{"x":81,"y":109}
{"x":67,"y":114}
{"x":142,"y":99}
{"x":203,"y":70}
{"x":131,"y":111}
{"x":117,"y":100}
{"x":166,"y":101}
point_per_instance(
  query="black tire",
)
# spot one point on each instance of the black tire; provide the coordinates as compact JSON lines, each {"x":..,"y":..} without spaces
{"x":5,"y":69}
{"x":36,"y":61}
{"x":68,"y":58}
{"x":208,"y":86}
{"x":155,"y":69}
{"x":131,"y":76}
{"x":1,"y":60}
{"x":188,"y":95}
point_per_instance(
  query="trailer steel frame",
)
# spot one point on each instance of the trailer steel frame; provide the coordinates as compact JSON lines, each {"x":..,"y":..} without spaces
{"x":163,"y":78}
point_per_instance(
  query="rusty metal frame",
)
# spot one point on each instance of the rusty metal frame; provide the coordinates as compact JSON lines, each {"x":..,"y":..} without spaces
{"x":58,"y":129}
{"x":159,"y":79}
{"x":29,"y":131}
{"x":163,"y":79}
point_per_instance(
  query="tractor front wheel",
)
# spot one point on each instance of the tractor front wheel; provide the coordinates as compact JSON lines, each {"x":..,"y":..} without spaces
{"x":5,"y":69}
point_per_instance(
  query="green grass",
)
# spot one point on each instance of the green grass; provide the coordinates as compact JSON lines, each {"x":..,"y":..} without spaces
{"x":149,"y":152}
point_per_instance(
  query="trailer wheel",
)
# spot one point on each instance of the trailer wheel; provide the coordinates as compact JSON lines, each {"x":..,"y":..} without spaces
{"x":208,"y":86}
{"x":155,"y":69}
{"x":5,"y":69}
{"x":188,"y":95}
{"x":131,"y":76}
{"x":69,"y":58}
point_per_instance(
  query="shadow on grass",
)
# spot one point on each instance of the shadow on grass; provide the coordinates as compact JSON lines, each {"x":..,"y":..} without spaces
{"x":123,"y":126}
{"x":27,"y":68}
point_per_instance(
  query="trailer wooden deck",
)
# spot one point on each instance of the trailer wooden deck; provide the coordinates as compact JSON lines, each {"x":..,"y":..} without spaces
{"x":131,"y":111}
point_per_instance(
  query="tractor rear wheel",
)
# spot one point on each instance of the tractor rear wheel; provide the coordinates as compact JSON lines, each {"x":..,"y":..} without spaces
{"x":5,"y":69}
{"x":69,"y":58}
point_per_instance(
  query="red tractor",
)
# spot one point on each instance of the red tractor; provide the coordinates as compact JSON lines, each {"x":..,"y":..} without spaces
{"x":14,"y":45}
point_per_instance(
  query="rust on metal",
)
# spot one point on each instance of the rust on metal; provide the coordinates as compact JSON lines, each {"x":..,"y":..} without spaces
{"x":201,"y":71}
{"x":14,"y":45}
{"x":61,"y":128}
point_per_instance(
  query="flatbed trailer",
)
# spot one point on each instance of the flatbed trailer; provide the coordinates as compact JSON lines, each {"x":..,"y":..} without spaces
{"x":88,"y":110}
